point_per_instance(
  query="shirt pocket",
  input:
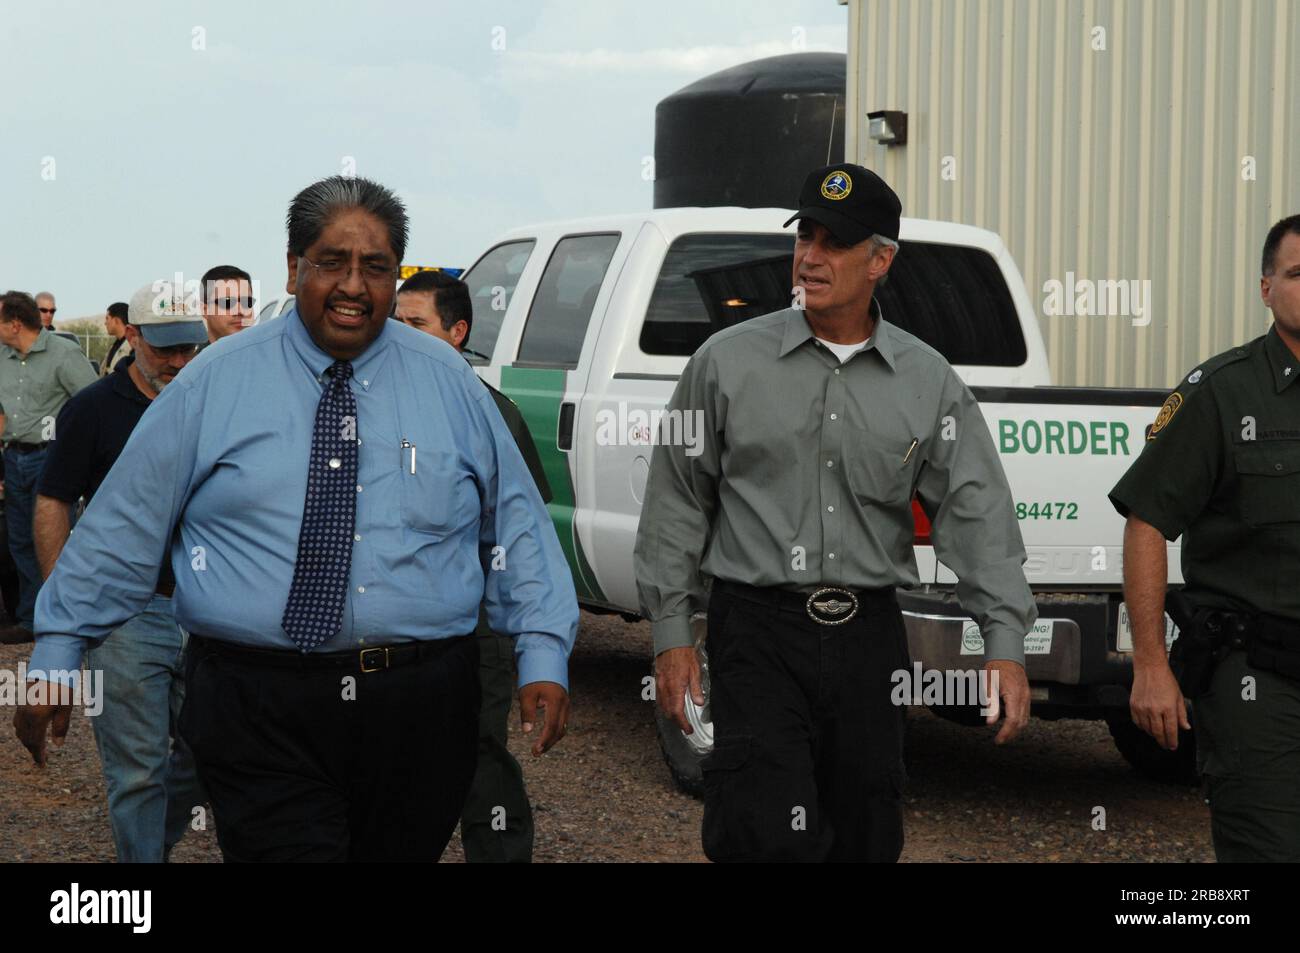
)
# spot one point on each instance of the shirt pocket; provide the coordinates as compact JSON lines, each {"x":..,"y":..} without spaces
{"x":1270,"y":482}
{"x":879,"y":468}
{"x":433,"y":498}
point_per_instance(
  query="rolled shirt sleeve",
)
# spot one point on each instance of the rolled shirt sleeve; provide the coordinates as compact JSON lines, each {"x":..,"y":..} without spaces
{"x":528,"y":589}
{"x":122,"y":539}
{"x":1172,"y":480}
{"x":964,"y":490}
{"x":681,"y":498}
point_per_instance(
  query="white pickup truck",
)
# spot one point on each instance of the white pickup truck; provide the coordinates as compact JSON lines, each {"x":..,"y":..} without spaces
{"x":588,"y":324}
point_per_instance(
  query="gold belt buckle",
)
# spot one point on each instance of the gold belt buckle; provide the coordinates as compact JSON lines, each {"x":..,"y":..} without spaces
{"x":826,"y":606}
{"x":376,"y":667}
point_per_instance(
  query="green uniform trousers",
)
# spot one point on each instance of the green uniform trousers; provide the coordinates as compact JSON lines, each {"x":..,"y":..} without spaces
{"x":496,"y":825}
{"x":1248,"y":751}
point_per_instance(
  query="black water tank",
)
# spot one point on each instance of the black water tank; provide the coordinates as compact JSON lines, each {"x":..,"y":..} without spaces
{"x":748,"y":135}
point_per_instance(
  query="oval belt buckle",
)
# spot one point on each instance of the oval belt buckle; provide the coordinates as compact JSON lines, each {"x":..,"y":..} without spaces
{"x":828,"y":608}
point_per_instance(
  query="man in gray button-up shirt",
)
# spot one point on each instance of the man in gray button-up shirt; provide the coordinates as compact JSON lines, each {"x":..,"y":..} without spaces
{"x":821,"y":423}
{"x":39,"y":371}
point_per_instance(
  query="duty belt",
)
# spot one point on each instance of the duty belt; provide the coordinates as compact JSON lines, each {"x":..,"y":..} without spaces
{"x":827,"y":605}
{"x":1272,"y":643}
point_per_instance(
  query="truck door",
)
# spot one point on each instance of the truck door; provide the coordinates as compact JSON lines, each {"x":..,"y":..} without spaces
{"x":548,"y":377}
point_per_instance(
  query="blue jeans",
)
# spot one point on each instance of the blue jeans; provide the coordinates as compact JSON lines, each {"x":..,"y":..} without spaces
{"x":149,"y":771}
{"x":21,"y":471}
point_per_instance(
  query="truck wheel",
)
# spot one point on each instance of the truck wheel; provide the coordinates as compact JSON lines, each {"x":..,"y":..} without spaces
{"x":684,"y":753}
{"x":1149,"y":759}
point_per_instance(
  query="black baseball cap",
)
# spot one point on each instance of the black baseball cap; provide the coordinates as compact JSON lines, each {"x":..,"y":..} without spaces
{"x":853,"y":202}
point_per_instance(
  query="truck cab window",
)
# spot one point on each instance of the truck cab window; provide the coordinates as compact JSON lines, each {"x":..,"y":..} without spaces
{"x":566,"y":295}
{"x":712,"y":280}
{"x":953,"y":298}
{"x":492,"y":282}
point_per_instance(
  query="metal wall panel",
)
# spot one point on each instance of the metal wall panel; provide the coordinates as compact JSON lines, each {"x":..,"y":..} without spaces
{"x":1122,"y":163}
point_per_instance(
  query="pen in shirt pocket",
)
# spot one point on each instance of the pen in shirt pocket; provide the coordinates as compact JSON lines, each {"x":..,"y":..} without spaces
{"x":410,"y":447}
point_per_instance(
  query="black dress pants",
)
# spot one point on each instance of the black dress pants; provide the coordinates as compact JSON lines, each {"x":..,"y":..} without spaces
{"x":808,"y":748}
{"x":333,"y":764}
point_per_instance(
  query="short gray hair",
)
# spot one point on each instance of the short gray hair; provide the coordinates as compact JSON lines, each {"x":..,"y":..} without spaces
{"x":880,"y":241}
{"x":313,"y":207}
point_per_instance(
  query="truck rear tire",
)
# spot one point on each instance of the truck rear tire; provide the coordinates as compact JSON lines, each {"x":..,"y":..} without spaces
{"x":1149,"y":759}
{"x":682,"y":757}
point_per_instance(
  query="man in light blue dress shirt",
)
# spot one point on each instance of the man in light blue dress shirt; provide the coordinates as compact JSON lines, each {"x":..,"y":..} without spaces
{"x":331,"y":707}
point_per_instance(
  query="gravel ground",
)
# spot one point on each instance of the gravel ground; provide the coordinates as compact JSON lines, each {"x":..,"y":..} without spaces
{"x":604,"y":793}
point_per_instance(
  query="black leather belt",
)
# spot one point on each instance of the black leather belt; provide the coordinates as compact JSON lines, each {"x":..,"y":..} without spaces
{"x":363,"y":660}
{"x":18,"y":447}
{"x":826,"y":605}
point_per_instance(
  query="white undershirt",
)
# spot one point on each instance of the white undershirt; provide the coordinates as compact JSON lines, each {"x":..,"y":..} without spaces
{"x":844,"y":351}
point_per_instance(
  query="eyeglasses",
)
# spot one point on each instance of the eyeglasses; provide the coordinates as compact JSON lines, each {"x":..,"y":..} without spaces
{"x":47,"y":310}
{"x":230,"y":304}
{"x":338,"y":268}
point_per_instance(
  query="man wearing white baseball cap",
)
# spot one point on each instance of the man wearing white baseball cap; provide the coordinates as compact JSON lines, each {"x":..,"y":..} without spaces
{"x":150,"y":776}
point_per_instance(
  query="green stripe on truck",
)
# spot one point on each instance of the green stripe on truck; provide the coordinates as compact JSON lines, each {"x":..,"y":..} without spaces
{"x":539,"y":392}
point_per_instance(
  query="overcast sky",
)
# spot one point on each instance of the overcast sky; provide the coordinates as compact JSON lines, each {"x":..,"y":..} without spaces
{"x":140,"y":139}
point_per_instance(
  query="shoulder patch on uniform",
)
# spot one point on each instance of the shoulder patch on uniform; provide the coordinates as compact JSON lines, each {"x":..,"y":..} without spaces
{"x":1166,"y":414}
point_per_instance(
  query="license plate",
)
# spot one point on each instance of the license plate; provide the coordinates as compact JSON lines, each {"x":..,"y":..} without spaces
{"x":1124,"y":631}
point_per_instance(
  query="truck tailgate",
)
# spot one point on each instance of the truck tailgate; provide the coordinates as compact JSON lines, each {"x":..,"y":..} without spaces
{"x":1063,"y":450}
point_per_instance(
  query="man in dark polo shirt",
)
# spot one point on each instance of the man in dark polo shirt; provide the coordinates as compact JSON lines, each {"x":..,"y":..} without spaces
{"x":496,"y":824}
{"x":152,"y":785}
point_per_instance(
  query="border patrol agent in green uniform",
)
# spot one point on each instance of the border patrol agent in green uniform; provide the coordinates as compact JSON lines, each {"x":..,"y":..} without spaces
{"x":820,"y":423}
{"x":496,"y":825}
{"x":1222,"y":468}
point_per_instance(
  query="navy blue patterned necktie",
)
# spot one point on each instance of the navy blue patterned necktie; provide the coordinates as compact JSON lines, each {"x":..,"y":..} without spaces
{"x":320,"y":575}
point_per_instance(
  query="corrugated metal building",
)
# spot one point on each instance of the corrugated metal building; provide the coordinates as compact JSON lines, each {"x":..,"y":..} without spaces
{"x":1105,"y":140}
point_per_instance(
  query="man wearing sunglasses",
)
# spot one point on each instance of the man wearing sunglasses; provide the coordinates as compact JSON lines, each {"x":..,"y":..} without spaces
{"x":152,"y":785}
{"x":227,"y":302}
{"x":45,"y":305}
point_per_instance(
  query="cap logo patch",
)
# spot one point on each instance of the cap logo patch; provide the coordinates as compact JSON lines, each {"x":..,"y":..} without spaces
{"x":837,"y":186}
{"x":1195,"y":376}
{"x":1167,"y":411}
{"x":170,"y":308}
